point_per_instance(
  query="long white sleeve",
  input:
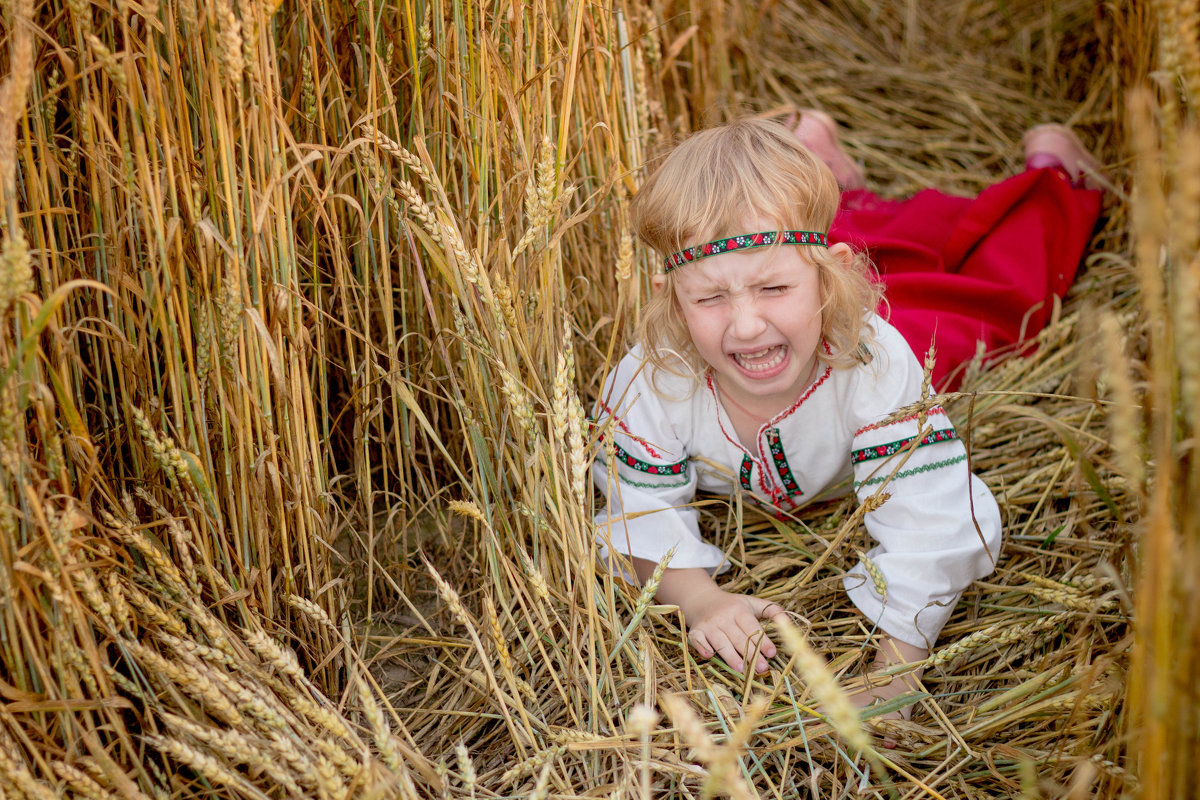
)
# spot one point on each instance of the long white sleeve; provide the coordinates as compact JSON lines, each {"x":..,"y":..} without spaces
{"x":644,"y":471}
{"x":939,"y":531}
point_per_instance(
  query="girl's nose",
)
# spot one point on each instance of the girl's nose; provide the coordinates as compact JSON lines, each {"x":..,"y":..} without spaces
{"x":746,"y":322}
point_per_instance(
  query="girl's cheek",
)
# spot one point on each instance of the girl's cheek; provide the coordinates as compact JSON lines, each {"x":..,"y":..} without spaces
{"x":715,"y":318}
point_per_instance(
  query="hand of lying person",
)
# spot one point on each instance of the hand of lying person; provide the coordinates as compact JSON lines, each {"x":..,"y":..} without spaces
{"x":719,"y":622}
{"x":730,"y":625}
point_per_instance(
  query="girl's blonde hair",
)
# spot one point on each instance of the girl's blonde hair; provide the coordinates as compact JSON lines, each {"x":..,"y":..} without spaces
{"x":708,"y":188}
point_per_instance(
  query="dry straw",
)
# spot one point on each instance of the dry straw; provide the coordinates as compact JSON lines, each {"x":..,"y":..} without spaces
{"x":293,"y":455}
{"x":721,"y":761}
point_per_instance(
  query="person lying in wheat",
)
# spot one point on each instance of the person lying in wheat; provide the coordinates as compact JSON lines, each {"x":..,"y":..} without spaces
{"x":764,"y":366}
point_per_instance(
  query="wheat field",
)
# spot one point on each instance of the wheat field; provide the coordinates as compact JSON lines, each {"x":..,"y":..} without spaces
{"x":302,"y":309}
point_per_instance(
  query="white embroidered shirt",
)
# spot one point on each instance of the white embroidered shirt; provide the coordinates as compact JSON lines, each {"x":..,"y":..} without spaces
{"x":939,"y":531}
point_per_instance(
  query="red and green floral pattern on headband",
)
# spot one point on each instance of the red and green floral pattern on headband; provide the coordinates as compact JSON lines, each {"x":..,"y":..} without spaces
{"x":743,"y":241}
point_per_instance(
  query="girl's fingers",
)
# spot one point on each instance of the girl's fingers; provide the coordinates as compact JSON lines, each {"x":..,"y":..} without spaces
{"x":764,"y":609}
{"x":736,"y":635}
{"x":771,"y":611}
{"x":767,"y":647}
{"x":758,"y":638}
{"x":700,"y":642}
{"x":715,"y":642}
{"x":754,"y":633}
{"x":752,"y":642}
{"x":726,"y":649}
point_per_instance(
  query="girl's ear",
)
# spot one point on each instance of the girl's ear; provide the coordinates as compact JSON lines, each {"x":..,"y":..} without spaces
{"x":844,"y":254}
{"x":657,"y":281}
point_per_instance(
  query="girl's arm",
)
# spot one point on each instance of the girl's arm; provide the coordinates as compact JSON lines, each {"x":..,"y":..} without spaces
{"x":718,"y":622}
{"x":649,"y":483}
{"x":892,"y":652}
{"x":938,"y":529}
{"x":643,"y":470}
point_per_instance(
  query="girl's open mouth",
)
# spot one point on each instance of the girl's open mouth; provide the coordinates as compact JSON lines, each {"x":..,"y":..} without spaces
{"x":761,"y":361}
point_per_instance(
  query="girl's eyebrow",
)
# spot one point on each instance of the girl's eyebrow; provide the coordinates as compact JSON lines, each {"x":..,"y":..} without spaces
{"x":702,"y":286}
{"x":768,"y":276}
{"x":770,"y":279}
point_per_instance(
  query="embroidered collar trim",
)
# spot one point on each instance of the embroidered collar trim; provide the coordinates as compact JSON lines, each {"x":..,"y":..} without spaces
{"x":743,"y":241}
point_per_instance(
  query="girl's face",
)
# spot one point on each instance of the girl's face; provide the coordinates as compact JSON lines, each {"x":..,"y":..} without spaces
{"x":755,"y":318}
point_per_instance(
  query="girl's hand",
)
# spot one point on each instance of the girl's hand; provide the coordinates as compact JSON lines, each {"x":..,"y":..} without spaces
{"x":729,"y":625}
{"x":719,"y":622}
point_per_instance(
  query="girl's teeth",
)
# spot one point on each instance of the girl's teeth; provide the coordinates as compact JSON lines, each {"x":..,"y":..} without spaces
{"x":762,"y":360}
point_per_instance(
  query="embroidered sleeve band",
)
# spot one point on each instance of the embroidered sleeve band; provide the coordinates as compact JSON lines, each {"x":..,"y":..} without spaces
{"x":623,"y":457}
{"x":743,"y":241}
{"x":891,"y":448}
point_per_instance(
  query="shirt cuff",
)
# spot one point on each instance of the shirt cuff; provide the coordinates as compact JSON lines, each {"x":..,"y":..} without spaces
{"x":690,"y":551}
{"x":917,"y":627}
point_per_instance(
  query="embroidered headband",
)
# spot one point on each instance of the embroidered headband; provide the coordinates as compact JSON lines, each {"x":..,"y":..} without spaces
{"x":743,"y":241}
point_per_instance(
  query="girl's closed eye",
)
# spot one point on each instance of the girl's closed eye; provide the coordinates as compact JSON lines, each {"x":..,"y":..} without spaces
{"x":781,"y":289}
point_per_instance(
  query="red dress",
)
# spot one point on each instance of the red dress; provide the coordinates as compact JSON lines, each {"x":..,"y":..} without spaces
{"x":958,"y":270}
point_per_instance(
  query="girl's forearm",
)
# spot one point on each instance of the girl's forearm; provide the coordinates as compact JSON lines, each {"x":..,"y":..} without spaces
{"x":892,"y":651}
{"x":678,"y":586}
